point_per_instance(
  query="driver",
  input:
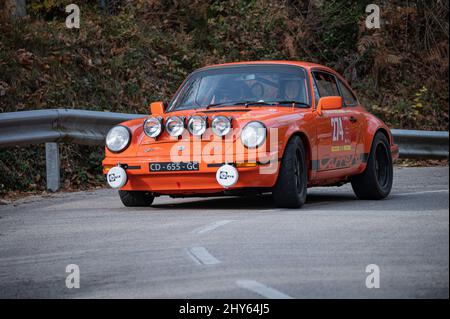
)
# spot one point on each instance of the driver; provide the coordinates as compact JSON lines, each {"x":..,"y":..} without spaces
{"x":292,"y":91}
{"x":227,"y":91}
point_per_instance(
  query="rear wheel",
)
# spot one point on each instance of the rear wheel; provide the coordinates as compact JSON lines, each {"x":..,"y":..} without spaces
{"x":291,"y":187}
{"x":376,"y":180}
{"x":136,"y":198}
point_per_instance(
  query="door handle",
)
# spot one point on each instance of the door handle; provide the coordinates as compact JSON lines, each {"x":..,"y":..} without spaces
{"x":353,"y":119}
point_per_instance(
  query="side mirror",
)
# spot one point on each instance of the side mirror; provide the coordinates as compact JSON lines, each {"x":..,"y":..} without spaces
{"x":329,"y":103}
{"x":156,"y":108}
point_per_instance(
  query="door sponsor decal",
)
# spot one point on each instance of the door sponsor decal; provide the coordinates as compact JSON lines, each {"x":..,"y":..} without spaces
{"x":340,"y":148}
{"x":339,"y":161}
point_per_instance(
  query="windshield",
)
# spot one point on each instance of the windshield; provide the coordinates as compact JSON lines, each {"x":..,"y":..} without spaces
{"x":234,"y":85}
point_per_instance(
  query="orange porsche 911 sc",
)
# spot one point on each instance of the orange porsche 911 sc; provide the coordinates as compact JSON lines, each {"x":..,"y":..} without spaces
{"x":252,"y":127}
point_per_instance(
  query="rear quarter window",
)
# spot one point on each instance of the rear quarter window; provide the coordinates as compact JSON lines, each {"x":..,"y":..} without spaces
{"x":347,"y":95}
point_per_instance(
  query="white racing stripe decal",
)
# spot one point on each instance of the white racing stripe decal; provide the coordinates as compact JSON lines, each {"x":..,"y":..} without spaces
{"x":211,"y":227}
{"x":262,"y":290}
{"x":202,"y":257}
{"x":424,"y":192}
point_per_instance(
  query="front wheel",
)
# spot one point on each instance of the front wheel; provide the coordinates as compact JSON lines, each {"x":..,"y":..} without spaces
{"x":376,"y":180}
{"x":136,"y":198}
{"x":291,"y":187}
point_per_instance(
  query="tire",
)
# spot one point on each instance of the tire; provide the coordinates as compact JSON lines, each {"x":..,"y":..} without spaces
{"x":376,"y":180}
{"x":291,"y":187}
{"x":136,"y":198}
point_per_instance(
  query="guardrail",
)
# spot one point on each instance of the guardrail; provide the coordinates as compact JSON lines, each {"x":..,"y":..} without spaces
{"x":421,"y":144}
{"x":90,"y":127}
{"x":58,"y":125}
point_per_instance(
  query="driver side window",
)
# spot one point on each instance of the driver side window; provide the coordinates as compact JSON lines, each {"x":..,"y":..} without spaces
{"x":326,"y":84}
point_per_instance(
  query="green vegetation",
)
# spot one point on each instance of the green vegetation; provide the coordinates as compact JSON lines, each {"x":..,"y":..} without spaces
{"x":121,"y":62}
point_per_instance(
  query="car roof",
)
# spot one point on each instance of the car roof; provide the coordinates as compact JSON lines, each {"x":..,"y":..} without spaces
{"x":306,"y":65}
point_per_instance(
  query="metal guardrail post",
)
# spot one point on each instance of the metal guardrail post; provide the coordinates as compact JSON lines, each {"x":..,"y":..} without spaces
{"x":52,"y":163}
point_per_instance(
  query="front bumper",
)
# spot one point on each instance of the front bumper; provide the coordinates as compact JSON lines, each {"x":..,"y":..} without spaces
{"x":203,"y":181}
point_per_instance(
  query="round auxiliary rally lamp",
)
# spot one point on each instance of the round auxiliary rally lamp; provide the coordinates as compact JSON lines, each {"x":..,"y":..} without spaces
{"x":227,"y":175}
{"x":116,"y":177}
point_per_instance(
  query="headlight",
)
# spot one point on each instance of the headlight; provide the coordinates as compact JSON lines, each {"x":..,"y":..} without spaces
{"x":221,"y":125}
{"x":253,"y":134}
{"x":152,"y":127}
{"x":197,"y":125}
{"x":118,"y":138}
{"x":174,"y":126}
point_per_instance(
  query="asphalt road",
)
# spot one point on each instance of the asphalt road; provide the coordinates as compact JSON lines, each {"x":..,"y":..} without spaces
{"x":232,"y":247}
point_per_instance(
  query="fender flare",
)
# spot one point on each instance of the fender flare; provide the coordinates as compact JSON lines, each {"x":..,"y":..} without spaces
{"x":372,"y":130}
{"x":289,"y":134}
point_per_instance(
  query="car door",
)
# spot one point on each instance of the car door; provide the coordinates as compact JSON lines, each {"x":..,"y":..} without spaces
{"x":355,"y":115}
{"x":336,"y":140}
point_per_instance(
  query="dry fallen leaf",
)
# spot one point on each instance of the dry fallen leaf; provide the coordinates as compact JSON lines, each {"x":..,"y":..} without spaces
{"x":25,"y":58}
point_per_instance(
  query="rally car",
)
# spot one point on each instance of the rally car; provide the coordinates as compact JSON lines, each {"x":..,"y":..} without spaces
{"x":252,"y":127}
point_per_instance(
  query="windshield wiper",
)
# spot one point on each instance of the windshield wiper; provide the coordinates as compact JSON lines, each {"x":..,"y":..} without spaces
{"x":248,"y":103}
{"x":292,"y":102}
{"x":255,"y":103}
{"x":232,"y":103}
{"x":217,"y":104}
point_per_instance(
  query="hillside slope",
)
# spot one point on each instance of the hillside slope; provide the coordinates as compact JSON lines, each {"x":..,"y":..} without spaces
{"x":140,"y":51}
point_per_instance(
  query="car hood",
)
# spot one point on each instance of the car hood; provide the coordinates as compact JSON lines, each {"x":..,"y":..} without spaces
{"x":270,"y":116}
{"x":241,"y":115}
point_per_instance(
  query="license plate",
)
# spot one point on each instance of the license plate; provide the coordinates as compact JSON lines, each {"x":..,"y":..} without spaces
{"x":173,"y":166}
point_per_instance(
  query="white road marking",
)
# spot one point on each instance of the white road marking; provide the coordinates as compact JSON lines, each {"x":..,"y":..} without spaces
{"x":211,"y":227}
{"x":273,"y":210}
{"x":202,"y":257}
{"x":262,"y":290}
{"x":423,"y":192}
